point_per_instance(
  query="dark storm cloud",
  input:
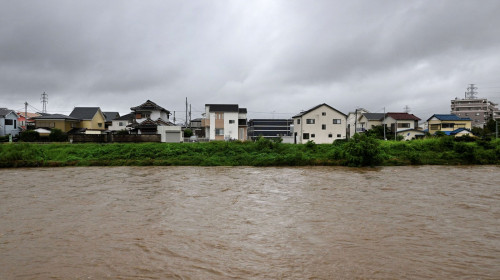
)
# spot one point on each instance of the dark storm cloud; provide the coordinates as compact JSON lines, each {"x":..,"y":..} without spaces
{"x":269,"y":56}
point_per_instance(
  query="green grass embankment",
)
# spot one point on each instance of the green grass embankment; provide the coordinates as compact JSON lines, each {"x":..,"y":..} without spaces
{"x":439,"y":151}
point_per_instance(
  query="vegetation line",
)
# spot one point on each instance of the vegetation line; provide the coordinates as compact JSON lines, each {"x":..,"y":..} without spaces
{"x":361,"y":150}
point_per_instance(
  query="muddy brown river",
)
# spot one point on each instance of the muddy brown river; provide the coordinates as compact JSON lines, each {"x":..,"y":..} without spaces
{"x":430,"y":222}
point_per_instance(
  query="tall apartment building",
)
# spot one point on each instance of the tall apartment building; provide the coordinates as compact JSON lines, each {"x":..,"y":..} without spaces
{"x":225,"y":122}
{"x":479,"y":110}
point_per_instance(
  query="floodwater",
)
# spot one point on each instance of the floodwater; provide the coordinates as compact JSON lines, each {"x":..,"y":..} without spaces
{"x":250,"y":223}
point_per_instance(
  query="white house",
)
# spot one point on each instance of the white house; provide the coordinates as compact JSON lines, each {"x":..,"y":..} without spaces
{"x":321,"y":124}
{"x":8,"y":122}
{"x":122,"y":122}
{"x":150,"y":110}
{"x":353,"y":125}
{"x":225,"y":122}
{"x":401,"y":121}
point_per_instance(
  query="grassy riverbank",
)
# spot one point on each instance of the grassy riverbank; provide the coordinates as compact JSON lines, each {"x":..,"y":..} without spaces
{"x":436,"y":151}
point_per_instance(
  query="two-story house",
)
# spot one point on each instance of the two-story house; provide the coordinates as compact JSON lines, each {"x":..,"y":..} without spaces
{"x":448,"y":123}
{"x":401,"y":121}
{"x":321,"y":124}
{"x":369,"y":120}
{"x":225,"y":122}
{"x":148,"y":117}
{"x":92,"y":119}
{"x":59,"y":121}
{"x":8,"y":122}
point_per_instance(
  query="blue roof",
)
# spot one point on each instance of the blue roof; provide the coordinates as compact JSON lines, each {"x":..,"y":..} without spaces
{"x":456,"y":131}
{"x":448,"y":117}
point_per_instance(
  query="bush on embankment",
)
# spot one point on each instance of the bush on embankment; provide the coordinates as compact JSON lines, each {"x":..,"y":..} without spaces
{"x":359,"y":151}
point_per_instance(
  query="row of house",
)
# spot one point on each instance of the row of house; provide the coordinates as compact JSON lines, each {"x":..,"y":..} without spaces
{"x":321,"y":124}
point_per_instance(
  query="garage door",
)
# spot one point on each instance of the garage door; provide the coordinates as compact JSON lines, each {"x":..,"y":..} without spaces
{"x":172,"y":137}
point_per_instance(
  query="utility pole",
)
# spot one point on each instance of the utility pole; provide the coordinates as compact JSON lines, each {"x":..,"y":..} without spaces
{"x":356,"y":122}
{"x":174,"y":117}
{"x":26,"y":115}
{"x":407,"y":109}
{"x":186,"y":112}
{"x":189,"y":115}
{"x":45,"y":100}
{"x":383,"y":124}
{"x":496,"y":127}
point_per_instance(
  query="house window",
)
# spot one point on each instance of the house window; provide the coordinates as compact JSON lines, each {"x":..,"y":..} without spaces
{"x":15,"y":123}
{"x":99,"y":124}
{"x":147,"y":115}
{"x":403,"y":125}
{"x":435,"y":127}
{"x":120,"y":124}
{"x":339,"y":135}
{"x":219,"y":131}
{"x":323,"y":126}
{"x":448,"y":125}
{"x":336,"y":121}
{"x":310,"y":121}
{"x":305,"y":136}
{"x":323,"y":113}
{"x":138,"y":116}
{"x":313,"y":135}
{"x":8,"y":122}
{"x":298,"y":121}
{"x":330,"y":135}
{"x":231,"y":121}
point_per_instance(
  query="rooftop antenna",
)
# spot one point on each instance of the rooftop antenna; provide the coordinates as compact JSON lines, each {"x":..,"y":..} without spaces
{"x":45,"y":100}
{"x":471,"y":92}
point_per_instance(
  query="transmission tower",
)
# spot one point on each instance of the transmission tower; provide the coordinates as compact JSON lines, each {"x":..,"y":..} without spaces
{"x":45,"y":100}
{"x":407,"y":109}
{"x":471,"y":92}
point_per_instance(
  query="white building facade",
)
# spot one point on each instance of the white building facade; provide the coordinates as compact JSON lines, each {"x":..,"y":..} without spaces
{"x":321,"y":124}
{"x":225,"y":122}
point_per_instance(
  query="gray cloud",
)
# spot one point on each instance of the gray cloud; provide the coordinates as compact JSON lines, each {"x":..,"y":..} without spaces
{"x":273,"y":57}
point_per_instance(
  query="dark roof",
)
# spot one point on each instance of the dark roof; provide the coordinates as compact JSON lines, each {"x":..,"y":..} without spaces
{"x":148,"y":106}
{"x":223,"y":107}
{"x":456,"y":131}
{"x":196,"y":120}
{"x":55,"y":117}
{"x":111,"y":115}
{"x":5,"y":111}
{"x":403,"y":116}
{"x":127,"y":117}
{"x":374,"y":116}
{"x":159,"y":121}
{"x":448,"y":117}
{"x":316,"y":107}
{"x":242,"y":110}
{"x":84,"y":113}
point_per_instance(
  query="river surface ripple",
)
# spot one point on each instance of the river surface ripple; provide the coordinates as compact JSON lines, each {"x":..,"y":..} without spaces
{"x":250,"y":223}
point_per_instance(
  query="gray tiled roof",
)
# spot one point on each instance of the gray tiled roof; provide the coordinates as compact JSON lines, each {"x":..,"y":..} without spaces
{"x":54,"y":117}
{"x":374,"y":116}
{"x":5,"y":111}
{"x":149,"y":105}
{"x":84,"y":113}
{"x":111,"y":115}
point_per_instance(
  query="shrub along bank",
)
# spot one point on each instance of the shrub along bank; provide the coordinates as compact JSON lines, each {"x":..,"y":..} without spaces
{"x":359,"y":151}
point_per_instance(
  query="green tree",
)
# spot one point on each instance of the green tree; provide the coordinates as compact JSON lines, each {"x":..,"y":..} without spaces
{"x":29,"y":136}
{"x":362,"y":150}
{"x":56,"y":135}
{"x":188,"y":133}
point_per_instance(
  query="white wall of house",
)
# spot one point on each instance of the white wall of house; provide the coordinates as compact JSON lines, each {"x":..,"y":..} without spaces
{"x":401,"y":124}
{"x":230,"y":125}
{"x":211,"y":129}
{"x":118,"y":125}
{"x":318,"y":126}
{"x":12,"y":127}
{"x":155,"y":114}
{"x":171,"y":134}
{"x":351,"y":121}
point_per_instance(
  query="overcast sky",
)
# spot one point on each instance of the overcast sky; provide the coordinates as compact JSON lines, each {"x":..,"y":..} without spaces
{"x":274,"y":58}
